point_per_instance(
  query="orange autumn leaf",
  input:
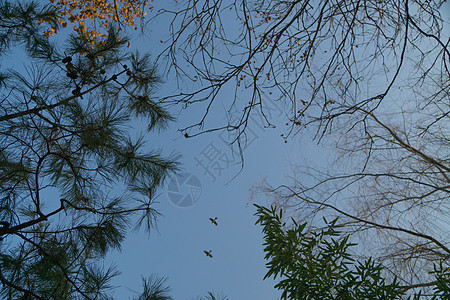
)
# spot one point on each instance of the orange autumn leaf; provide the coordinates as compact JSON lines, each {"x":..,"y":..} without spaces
{"x":99,"y":13}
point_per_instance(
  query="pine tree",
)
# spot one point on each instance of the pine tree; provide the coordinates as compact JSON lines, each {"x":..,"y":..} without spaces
{"x":72,"y":179}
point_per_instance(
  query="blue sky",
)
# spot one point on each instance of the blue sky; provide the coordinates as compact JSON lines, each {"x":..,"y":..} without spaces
{"x":176,"y":249}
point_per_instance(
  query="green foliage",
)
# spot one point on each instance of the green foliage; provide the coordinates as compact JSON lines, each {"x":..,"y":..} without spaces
{"x":155,"y":288}
{"x":213,"y":296}
{"x":318,"y":265}
{"x":442,"y":285}
{"x":72,"y":179}
{"x":19,"y":23}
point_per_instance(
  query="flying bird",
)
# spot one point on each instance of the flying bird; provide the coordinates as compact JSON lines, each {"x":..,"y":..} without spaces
{"x":213,"y":220}
{"x":208,"y":253}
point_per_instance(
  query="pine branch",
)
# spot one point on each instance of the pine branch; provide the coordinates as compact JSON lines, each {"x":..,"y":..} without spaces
{"x":8,"y":230}
{"x":62,"y":102}
{"x":6,"y":282}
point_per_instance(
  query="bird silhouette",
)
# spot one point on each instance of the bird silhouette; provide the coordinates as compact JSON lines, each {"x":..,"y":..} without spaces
{"x":213,"y":220}
{"x":208,"y":253}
